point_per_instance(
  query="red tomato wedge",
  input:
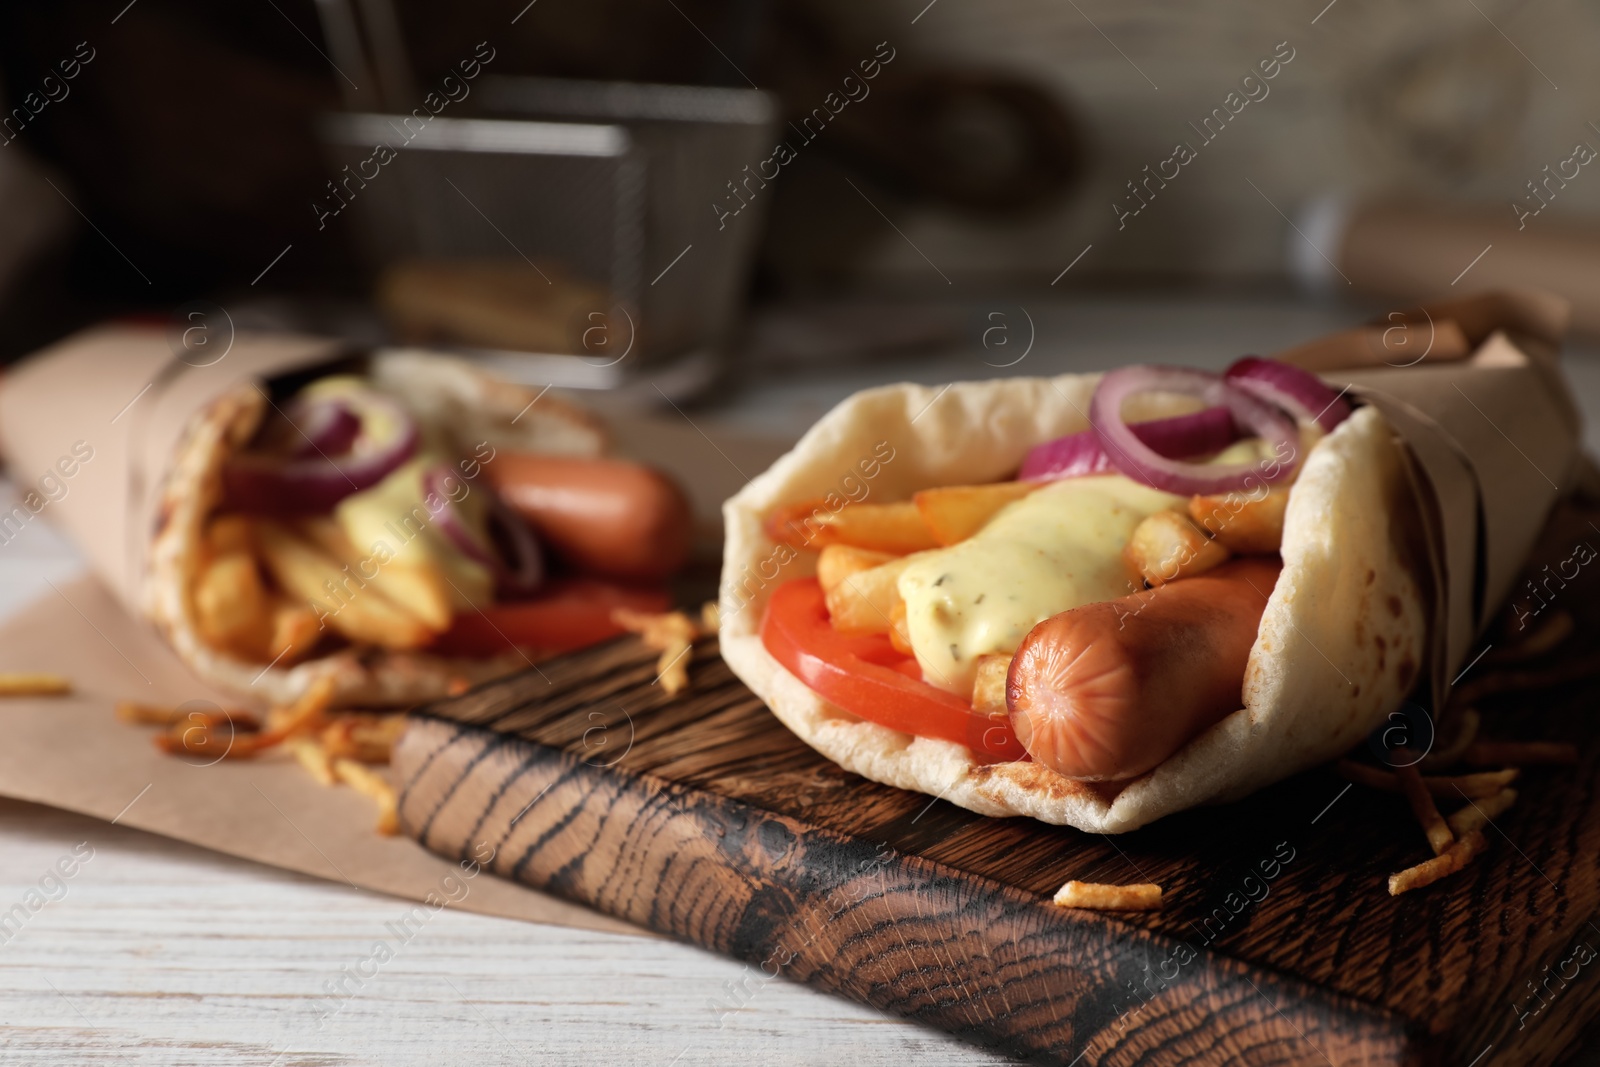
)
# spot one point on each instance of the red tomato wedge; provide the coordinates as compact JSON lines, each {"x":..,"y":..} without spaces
{"x":866,"y":676}
{"x":567,"y":614}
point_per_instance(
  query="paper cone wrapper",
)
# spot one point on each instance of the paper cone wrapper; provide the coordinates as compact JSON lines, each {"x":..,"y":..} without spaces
{"x":1474,"y":389}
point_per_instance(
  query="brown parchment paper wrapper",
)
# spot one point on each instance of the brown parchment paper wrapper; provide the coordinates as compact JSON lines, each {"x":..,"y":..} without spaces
{"x":1474,"y":389}
{"x":121,"y":391}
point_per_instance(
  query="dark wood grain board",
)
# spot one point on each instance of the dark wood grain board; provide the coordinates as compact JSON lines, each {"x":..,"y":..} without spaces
{"x":703,"y":818}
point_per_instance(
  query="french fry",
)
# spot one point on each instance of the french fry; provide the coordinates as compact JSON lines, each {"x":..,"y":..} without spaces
{"x":710,"y":617}
{"x":838,"y":562}
{"x":1452,"y":787}
{"x":1447,"y":862}
{"x":896,"y":528}
{"x":1141,"y":897}
{"x":989,"y":688}
{"x":33,"y":684}
{"x":1247,"y":524}
{"x":1556,"y":629}
{"x":1448,"y":756}
{"x":304,"y":570}
{"x":956,"y":512}
{"x":672,"y":634}
{"x":1520,"y":753}
{"x":136,"y":714}
{"x":364,"y":738}
{"x":369,"y":782}
{"x":1423,"y":807}
{"x":295,"y":632}
{"x":1167,"y":546}
{"x":899,"y":632}
{"x":418,"y":588}
{"x":196,"y":734}
{"x":310,"y":754}
{"x":227,"y":534}
{"x":230,"y":605}
{"x":1477,"y":813}
{"x":864,"y":602}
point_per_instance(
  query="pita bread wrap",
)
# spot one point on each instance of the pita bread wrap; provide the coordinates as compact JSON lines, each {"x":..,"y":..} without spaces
{"x":1344,"y":637}
{"x":138,"y":506}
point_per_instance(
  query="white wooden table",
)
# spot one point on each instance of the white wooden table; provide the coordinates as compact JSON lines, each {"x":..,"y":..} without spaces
{"x":159,"y":953}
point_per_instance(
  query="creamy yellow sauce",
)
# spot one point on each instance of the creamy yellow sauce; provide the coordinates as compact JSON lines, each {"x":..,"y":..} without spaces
{"x":1058,"y":548}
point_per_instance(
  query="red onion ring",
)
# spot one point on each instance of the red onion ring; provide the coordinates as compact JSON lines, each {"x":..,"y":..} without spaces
{"x":1143,"y":464}
{"x":519,"y":567}
{"x":1180,"y":437}
{"x":321,"y":427}
{"x":1300,"y":393}
{"x":263,"y":483}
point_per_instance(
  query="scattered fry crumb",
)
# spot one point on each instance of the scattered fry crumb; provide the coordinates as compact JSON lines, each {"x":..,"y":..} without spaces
{"x":672,"y":634}
{"x":26,"y":684}
{"x":1100,"y":897}
{"x":1422,"y":806}
{"x":1520,"y":753}
{"x":1477,"y":813}
{"x":314,"y":758}
{"x":1467,"y":722}
{"x":1556,"y":629}
{"x":369,"y":782}
{"x":1484,"y":784}
{"x":1448,"y":862}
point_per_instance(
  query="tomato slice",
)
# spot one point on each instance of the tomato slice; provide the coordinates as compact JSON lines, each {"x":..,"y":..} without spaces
{"x":568,"y":614}
{"x":866,"y":676}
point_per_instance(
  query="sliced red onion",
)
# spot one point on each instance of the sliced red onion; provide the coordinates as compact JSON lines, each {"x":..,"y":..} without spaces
{"x":1300,"y":393}
{"x":265,"y":483}
{"x":1076,"y":454}
{"x":1143,"y":464}
{"x":321,"y":427}
{"x":518,"y":566}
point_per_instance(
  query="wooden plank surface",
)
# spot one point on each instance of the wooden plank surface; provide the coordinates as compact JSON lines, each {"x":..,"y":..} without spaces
{"x":702,"y":817}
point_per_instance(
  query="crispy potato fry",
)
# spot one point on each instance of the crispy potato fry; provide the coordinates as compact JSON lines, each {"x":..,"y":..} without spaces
{"x":899,"y":633}
{"x":1167,"y":546}
{"x":1423,"y":807}
{"x":1477,"y":813}
{"x":956,"y":512}
{"x":989,"y":689}
{"x":1142,"y":897}
{"x":197,"y":734}
{"x":1452,"y":787}
{"x":864,"y":602}
{"x":896,"y":528}
{"x":304,"y":570}
{"x":32,"y":684}
{"x":1520,"y":753}
{"x":137,"y":714}
{"x":295,"y":632}
{"x":1245,"y":524}
{"x":1554,"y":630}
{"x":362,"y":737}
{"x":710,"y":617}
{"x":1467,"y":723}
{"x":1572,"y":669}
{"x":1447,"y":862}
{"x":227,"y":534}
{"x":310,"y":754}
{"x":672,"y":634}
{"x":230,"y":605}
{"x":419,"y":589}
{"x":365,"y":780}
{"x":838,"y":562}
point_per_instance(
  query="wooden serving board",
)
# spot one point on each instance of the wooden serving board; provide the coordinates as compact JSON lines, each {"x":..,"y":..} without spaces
{"x":703,"y":818}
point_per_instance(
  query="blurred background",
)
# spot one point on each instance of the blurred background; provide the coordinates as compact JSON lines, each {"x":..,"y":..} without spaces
{"x":750,"y":209}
